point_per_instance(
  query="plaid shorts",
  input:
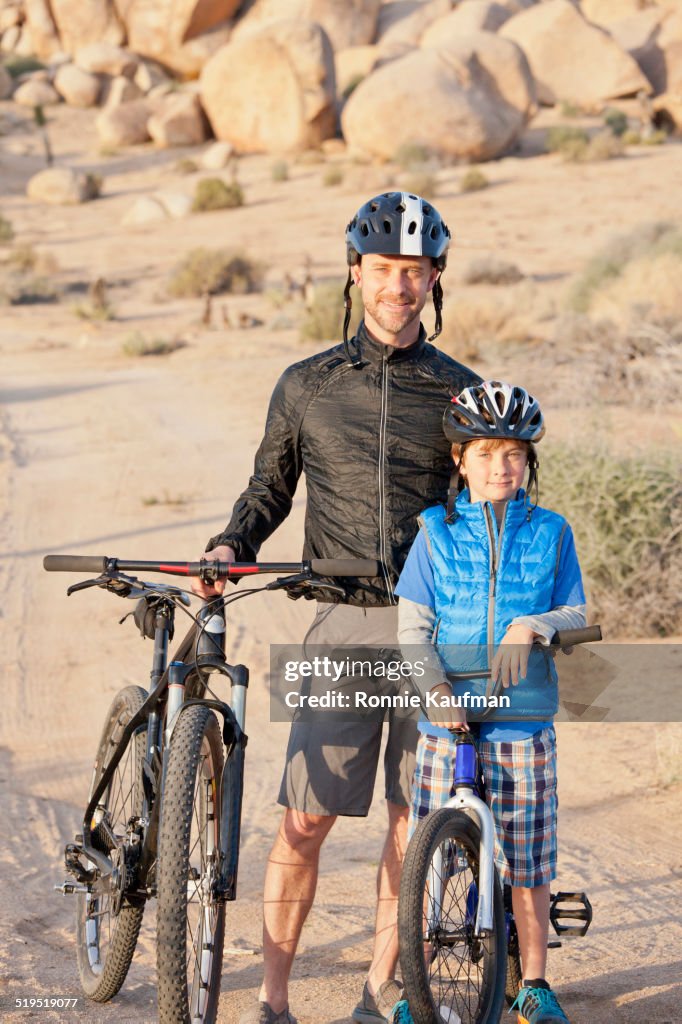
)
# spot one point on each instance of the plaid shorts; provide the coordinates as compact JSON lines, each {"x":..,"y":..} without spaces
{"x":520,"y":789}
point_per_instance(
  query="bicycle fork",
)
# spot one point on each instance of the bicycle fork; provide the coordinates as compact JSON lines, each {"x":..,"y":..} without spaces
{"x":465,"y":799}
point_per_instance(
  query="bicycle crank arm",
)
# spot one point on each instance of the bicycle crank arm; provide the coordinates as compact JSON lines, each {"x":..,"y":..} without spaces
{"x":70,"y":888}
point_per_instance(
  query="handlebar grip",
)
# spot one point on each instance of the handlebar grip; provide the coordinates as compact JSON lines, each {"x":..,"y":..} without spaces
{"x":75,"y":563}
{"x":345,"y":566}
{"x":570,"y":637}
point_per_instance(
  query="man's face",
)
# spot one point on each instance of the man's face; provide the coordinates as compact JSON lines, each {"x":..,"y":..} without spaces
{"x":394,"y":291}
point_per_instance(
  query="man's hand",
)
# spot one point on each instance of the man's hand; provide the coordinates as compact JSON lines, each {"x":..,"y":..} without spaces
{"x":445,"y":716}
{"x":511,"y":659}
{"x":220,"y":554}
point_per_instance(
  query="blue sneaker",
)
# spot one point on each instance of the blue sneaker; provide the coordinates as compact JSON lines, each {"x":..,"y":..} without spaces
{"x":538,"y":1006}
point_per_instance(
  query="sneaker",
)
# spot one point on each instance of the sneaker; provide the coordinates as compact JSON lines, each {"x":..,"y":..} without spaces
{"x":400,"y":1014}
{"x":263,"y":1013}
{"x":538,"y":1006}
{"x":376,"y":1009}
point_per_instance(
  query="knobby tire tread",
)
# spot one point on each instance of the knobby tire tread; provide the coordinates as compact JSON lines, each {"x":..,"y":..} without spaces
{"x":430,"y":832}
{"x":126,"y":925}
{"x":173,"y":864}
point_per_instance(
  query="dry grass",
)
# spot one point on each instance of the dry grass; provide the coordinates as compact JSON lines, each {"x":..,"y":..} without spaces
{"x":478,"y":326}
{"x":6,"y":231}
{"x":137,"y":344}
{"x":217,"y":272}
{"x":214,"y":194}
{"x":492,"y":270}
{"x":473,"y":181}
{"x":324,"y":320}
{"x":333,"y":176}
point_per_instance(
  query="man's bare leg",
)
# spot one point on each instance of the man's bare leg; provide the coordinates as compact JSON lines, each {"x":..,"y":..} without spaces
{"x":385,"y":958}
{"x":290,"y":883}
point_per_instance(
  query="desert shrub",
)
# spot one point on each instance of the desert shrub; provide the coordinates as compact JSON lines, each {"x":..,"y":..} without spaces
{"x":25,"y":259}
{"x":567,"y":108}
{"x":562,"y":138}
{"x":602,"y":146}
{"x":93,"y":186}
{"x":646,"y":241}
{"x":421,"y":183}
{"x":17,"y":64}
{"x":631,"y":138}
{"x":185,"y":165}
{"x":280,"y":170}
{"x":6,"y":231}
{"x":324,"y":319}
{"x":473,"y":181}
{"x":484,"y":326}
{"x":412,"y":154}
{"x":333,"y":176}
{"x":615,"y":120}
{"x":27,"y":290}
{"x":491,"y":270}
{"x":215,"y":271}
{"x":215,"y":194}
{"x":656,"y":138}
{"x":626,"y":513}
{"x":136,"y":344}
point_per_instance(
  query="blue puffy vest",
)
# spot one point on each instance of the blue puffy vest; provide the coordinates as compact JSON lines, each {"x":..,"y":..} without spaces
{"x":483,"y":579}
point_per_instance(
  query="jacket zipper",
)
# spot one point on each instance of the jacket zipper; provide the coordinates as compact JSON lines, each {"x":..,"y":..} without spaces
{"x":382,"y":476}
{"x":495,"y":550}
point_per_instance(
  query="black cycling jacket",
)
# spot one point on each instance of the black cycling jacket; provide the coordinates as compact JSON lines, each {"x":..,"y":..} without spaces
{"x":370,"y":442}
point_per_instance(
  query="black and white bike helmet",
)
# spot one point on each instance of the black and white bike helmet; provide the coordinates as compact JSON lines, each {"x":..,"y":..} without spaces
{"x":493,"y":409}
{"x":397,"y":224}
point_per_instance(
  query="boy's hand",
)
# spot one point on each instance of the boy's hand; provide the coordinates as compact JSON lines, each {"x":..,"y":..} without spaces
{"x":219,"y":554}
{"x":511,"y":659}
{"x":444,"y":716}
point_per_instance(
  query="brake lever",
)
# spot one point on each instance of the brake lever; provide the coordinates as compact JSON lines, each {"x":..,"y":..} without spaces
{"x":101,"y":581}
{"x":297,"y":585}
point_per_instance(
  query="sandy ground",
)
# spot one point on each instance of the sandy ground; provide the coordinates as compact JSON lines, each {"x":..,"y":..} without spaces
{"x":90,"y":437}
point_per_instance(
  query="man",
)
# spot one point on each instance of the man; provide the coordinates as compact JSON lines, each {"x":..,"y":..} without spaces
{"x":363,"y":422}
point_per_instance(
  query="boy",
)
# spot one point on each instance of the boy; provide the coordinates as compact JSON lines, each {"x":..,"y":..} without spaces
{"x":497,"y":572}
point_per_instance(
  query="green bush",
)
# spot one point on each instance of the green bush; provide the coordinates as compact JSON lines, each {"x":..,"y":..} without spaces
{"x":214,"y":194}
{"x":565,"y":137}
{"x":216,"y":271}
{"x":647,"y":240}
{"x":280,"y":170}
{"x":333,"y":176}
{"x":412,"y":154}
{"x":631,"y":138}
{"x":6,"y":231}
{"x":20,"y":65}
{"x":615,"y":120}
{"x":626,"y":513}
{"x":324,"y":320}
{"x":473,"y":181}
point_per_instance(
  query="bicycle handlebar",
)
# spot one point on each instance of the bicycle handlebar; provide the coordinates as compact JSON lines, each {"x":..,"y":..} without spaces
{"x":571,"y":637}
{"x":364,"y":567}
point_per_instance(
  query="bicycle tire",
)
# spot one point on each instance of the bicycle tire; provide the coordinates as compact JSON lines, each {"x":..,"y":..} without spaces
{"x":190,"y":921}
{"x":450,"y":975}
{"x":514,"y":972}
{"x":106,"y":940}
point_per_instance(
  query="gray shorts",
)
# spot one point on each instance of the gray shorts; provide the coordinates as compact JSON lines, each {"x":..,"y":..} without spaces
{"x":331,"y":766}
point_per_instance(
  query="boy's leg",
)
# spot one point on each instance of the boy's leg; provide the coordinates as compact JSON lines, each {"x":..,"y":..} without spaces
{"x":531,"y":914}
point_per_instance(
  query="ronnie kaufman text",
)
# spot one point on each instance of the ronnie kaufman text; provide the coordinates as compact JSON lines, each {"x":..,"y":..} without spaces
{"x":360,"y":699}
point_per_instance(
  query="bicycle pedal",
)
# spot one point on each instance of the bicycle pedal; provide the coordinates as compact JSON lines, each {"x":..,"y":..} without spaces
{"x":570,"y":906}
{"x":69,"y":888}
{"x":554,"y":945}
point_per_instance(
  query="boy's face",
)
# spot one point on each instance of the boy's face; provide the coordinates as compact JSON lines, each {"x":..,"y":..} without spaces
{"x":494,"y":470}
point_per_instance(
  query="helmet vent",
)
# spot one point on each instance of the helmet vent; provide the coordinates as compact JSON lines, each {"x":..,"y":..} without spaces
{"x":400,"y":208}
{"x":412,"y":228}
{"x":364,"y":228}
{"x":426,"y":208}
{"x":387,"y":226}
{"x":374,"y":207}
{"x":434,"y":232}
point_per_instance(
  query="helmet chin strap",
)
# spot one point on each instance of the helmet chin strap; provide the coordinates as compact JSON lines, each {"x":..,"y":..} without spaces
{"x":353,"y":357}
{"x":437,"y":292}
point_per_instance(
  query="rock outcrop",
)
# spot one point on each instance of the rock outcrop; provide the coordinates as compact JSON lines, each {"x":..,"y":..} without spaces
{"x":78,"y":88}
{"x":273,"y":90}
{"x":180,"y":34}
{"x":469,"y":16}
{"x":346,"y":22}
{"x":179,"y":121}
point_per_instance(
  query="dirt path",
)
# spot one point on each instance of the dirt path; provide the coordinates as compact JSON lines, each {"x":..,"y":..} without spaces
{"x":77,"y":476}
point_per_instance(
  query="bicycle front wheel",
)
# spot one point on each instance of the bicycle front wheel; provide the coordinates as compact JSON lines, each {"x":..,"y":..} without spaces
{"x":107,"y":925}
{"x":190,"y":920}
{"x":451,"y":975}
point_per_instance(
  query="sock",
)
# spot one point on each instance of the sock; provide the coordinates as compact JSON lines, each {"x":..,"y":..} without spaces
{"x":535,"y":983}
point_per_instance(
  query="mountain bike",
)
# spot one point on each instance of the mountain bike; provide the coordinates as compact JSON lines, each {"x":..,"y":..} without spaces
{"x":459,"y":950}
{"x":163,"y":815}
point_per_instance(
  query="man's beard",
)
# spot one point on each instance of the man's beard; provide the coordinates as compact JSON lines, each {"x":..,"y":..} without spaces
{"x":393,"y":322}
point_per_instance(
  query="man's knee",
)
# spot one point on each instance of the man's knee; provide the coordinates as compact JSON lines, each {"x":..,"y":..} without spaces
{"x":304,"y":833}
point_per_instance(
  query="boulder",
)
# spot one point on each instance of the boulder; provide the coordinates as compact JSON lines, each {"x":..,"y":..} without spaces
{"x":217,"y":156}
{"x":605,"y":12}
{"x":6,"y":83}
{"x":480,"y":98}
{"x":80,"y":22}
{"x":274,"y":90}
{"x":639,"y":35}
{"x":126,"y":124}
{"x":668,"y":112}
{"x":9,"y":16}
{"x":661,"y":56}
{"x":78,"y":88}
{"x":469,"y":16}
{"x":167,"y":30}
{"x":106,"y":59}
{"x":149,"y":75}
{"x":144,"y":210}
{"x":402,"y":23}
{"x":120,"y":90}
{"x":44,"y":35}
{"x":10,"y":39}
{"x":59,"y":186}
{"x":346,"y":22}
{"x":179,"y":121}
{"x":176,"y":204}
{"x":570,"y":58}
{"x":353,"y":64}
{"x":36,"y":93}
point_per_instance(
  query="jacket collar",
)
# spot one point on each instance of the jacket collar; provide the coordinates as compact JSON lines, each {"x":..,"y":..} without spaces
{"x":515,"y":511}
{"x":374,"y":352}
